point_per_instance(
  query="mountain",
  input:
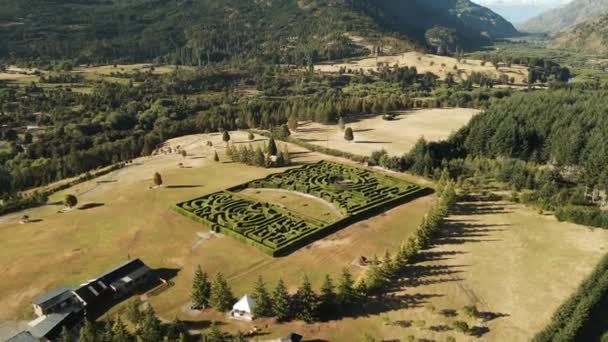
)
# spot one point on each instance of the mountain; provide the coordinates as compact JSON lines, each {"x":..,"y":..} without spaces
{"x":589,"y":37}
{"x":201,"y":31}
{"x":562,"y":18}
{"x":519,"y":11}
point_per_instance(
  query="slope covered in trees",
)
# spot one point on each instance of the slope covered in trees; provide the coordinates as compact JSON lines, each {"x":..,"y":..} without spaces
{"x":567,"y":128}
{"x":199,"y":32}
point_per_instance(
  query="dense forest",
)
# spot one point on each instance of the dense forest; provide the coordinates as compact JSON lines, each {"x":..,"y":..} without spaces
{"x":199,"y":32}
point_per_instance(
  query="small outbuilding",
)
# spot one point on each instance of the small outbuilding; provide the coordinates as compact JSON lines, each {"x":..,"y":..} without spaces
{"x":243,"y":309}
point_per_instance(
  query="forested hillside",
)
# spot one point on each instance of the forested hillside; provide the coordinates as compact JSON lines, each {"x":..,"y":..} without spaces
{"x":566,"y":128}
{"x":198,"y":32}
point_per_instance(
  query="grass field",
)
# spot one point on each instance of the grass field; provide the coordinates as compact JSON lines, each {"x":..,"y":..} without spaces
{"x":517,"y":266}
{"x":128,"y":219}
{"x":302,"y":204}
{"x":397,"y":137}
{"x":438,"y":65}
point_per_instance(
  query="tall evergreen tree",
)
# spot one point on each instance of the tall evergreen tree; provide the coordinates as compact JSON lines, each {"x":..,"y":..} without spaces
{"x":221,"y":295}
{"x":307,"y":302}
{"x":226,"y":137}
{"x":65,"y":335}
{"x":349,"y":135}
{"x":327,"y":299}
{"x":272,"y":147}
{"x":262,"y":299}
{"x":281,"y":302}
{"x":201,"y":289}
{"x":88,"y":332}
{"x":347,"y":295}
{"x":119,"y":331}
{"x":149,"y":327}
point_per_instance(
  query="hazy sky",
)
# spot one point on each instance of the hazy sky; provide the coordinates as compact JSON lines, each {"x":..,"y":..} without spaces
{"x":540,"y":3}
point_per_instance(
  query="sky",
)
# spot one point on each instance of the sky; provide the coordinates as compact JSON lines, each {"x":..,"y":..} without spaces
{"x":518,"y":11}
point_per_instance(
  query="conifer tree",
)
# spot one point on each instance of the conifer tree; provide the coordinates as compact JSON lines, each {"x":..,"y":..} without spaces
{"x":306,"y":302}
{"x":346,"y":293}
{"x":119,"y":331}
{"x":133,"y":310}
{"x":216,"y":157}
{"x":221,"y":295}
{"x":327,"y":298}
{"x":214,"y":334}
{"x":272,"y":147}
{"x":65,"y":335}
{"x":149,"y":327}
{"x":226,"y":137}
{"x":349,"y":135}
{"x":281,"y":302}
{"x":88,"y":332}
{"x":262,"y":299}
{"x":292,"y":123}
{"x":250,"y":136}
{"x":201,"y":289}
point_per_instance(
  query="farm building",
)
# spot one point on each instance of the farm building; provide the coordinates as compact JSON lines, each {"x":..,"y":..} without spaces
{"x":243,"y":309}
{"x":67,"y":307}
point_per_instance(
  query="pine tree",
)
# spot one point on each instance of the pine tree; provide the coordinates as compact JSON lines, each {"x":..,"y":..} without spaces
{"x":149,"y":328}
{"x":327,"y":298}
{"x":251,"y":136}
{"x":88,"y":332}
{"x":226,"y":137}
{"x":262,"y":299}
{"x":65,"y":335}
{"x":201,"y":289}
{"x":260,"y":160}
{"x":286,"y":157}
{"x":272,"y":147}
{"x":119,"y":331}
{"x":106,"y":334}
{"x":216,"y":157}
{"x":284,"y":132}
{"x":214,"y":334}
{"x":306,"y":302}
{"x":281,"y":302}
{"x":349,"y":135}
{"x":346,"y":295}
{"x":158,"y":179}
{"x":221,"y":295}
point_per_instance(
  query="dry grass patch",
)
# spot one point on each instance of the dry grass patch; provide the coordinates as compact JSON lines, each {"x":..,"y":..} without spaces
{"x":438,"y":65}
{"x":397,"y":137}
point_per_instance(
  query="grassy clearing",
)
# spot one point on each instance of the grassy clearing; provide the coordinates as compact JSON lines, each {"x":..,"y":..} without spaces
{"x":397,"y":137}
{"x":298,"y":203}
{"x":132,"y":220}
{"x":438,"y":65}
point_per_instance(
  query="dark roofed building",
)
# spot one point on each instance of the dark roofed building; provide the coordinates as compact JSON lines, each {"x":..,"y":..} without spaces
{"x":56,"y":300}
{"x":118,"y":282}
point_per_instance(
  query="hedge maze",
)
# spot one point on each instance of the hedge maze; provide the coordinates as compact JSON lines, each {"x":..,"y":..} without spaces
{"x":276,"y":231}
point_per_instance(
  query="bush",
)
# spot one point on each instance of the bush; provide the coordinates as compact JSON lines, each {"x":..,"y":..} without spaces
{"x":461,"y":326}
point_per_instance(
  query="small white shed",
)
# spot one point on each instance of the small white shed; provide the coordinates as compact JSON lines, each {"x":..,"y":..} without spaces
{"x":243,"y":309}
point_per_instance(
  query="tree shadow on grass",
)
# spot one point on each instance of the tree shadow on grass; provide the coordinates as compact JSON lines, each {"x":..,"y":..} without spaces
{"x":88,"y":206}
{"x":183,"y":186}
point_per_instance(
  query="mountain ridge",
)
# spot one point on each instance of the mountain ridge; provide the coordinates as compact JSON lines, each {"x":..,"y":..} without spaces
{"x":562,"y":18}
{"x":195,"y":32}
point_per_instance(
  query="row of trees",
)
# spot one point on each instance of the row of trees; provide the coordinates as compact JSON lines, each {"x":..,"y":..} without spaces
{"x":261,"y":156}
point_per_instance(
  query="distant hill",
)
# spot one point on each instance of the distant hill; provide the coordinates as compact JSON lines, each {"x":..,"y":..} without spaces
{"x":589,"y":37}
{"x":201,"y":31}
{"x":560,"y":19}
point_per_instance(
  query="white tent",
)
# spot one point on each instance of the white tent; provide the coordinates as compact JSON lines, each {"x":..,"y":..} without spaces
{"x":243,"y":309}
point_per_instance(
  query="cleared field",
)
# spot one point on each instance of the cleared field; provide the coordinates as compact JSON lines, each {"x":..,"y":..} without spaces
{"x":126,"y":218}
{"x":438,"y":65}
{"x":515,"y":265}
{"x":372,"y":133}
